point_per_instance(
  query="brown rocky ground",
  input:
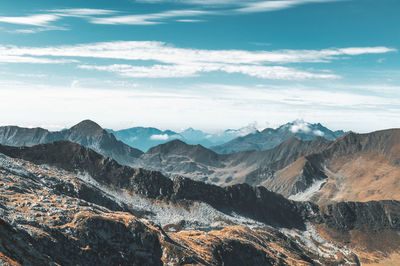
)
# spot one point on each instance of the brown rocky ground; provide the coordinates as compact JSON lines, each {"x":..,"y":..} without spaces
{"x":46,"y":221}
{"x":67,"y":206}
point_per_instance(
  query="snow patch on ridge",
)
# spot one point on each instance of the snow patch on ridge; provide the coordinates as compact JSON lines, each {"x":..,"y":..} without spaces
{"x":200,"y":215}
{"x":312,"y":240}
{"x":309,"y":192}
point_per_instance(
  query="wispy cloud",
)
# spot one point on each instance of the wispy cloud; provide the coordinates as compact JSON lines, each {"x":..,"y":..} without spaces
{"x":148,"y":19}
{"x":44,"y":22}
{"x":185,"y":62}
{"x":192,"y":70}
{"x":82,"y":12}
{"x":190,"y":20}
{"x":195,"y":2}
{"x":243,"y":6}
{"x":112,"y":17}
{"x":168,"y":54}
{"x":34,"y":20}
{"x":33,"y":60}
{"x":37,"y":30}
{"x":268,"y":6}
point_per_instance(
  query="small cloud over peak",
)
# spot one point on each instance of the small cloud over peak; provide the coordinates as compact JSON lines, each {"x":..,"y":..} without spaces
{"x":159,"y":137}
{"x":300,"y":126}
{"x":318,"y":133}
{"x":249,"y":129}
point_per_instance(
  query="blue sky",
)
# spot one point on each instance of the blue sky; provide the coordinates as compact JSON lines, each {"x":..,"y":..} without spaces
{"x":206,"y":64}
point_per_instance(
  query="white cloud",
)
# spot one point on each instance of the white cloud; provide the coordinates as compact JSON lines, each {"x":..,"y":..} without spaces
{"x":165,"y":53}
{"x":148,"y":19}
{"x":245,"y":5}
{"x":159,"y":137}
{"x":106,"y":16}
{"x":268,"y":6}
{"x":43,"y":21}
{"x":32,"y":60}
{"x":250,"y":128}
{"x":185,"y":62}
{"x":197,"y":2}
{"x":300,"y":126}
{"x":82,"y":12}
{"x":34,"y":20}
{"x":191,"y":70}
{"x":318,"y":133}
{"x":190,"y":20}
{"x":36,"y":30}
{"x":365,"y":50}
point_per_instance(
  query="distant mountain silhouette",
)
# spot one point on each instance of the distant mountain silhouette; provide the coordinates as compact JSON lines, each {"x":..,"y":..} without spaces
{"x":144,"y":138}
{"x":270,"y":138}
{"x":86,"y":133}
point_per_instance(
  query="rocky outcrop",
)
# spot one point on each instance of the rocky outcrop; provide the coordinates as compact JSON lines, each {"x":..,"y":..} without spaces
{"x":373,"y":216}
{"x":18,"y":136}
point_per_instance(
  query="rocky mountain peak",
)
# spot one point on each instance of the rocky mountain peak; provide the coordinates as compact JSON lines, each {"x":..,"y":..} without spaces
{"x":172,"y":145}
{"x":88,"y":127}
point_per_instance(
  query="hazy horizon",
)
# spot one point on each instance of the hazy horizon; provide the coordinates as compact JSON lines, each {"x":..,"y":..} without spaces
{"x":250,"y":127}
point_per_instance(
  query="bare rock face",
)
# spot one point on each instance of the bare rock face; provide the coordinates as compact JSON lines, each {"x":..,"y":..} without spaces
{"x":373,"y":215}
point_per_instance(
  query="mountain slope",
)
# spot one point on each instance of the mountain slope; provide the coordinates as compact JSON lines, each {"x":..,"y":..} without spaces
{"x":86,"y":133}
{"x":356,"y":167}
{"x":18,"y":136}
{"x":270,"y":138}
{"x":73,"y":206}
{"x":199,"y":163}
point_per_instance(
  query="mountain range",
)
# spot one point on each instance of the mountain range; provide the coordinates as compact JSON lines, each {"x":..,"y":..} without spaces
{"x":86,"y":133}
{"x":270,"y":137}
{"x":297,"y":169}
{"x":65,"y":204}
{"x":177,"y":158}
{"x":144,"y":138}
{"x":355,"y":167}
{"x":229,"y":141}
{"x":90,"y":134}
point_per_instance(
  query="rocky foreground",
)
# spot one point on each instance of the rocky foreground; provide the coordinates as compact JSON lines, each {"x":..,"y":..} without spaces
{"x":61,"y":203}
